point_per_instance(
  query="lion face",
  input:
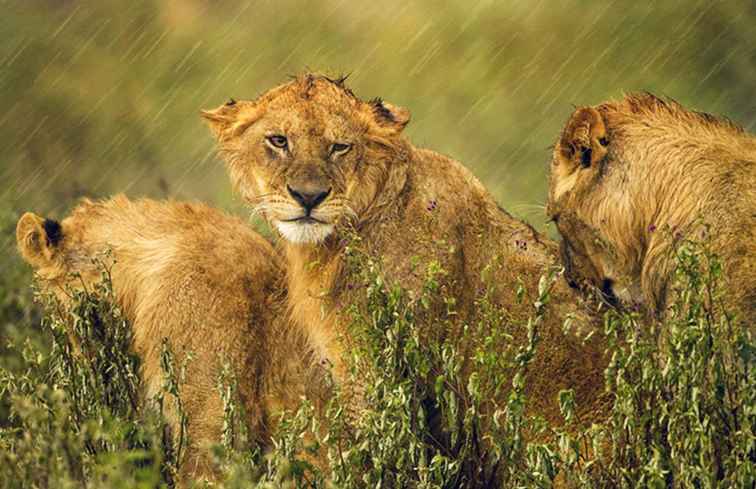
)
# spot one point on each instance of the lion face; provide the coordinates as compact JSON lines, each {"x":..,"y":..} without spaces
{"x":309,"y":155}
{"x":639,"y":175}
{"x":589,"y":261}
{"x":589,"y":208}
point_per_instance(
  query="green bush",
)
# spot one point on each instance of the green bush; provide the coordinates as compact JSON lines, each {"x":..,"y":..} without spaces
{"x":76,"y":416}
{"x":683,"y":411}
{"x":19,"y":317}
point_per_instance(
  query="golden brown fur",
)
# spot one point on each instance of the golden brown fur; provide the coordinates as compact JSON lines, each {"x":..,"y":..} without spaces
{"x":631,"y":178}
{"x":402,"y":203}
{"x":200,"y":278}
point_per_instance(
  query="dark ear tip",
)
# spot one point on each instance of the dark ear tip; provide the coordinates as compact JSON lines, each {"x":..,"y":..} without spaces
{"x":53,"y":230}
{"x":585,"y":157}
{"x":389,"y":114}
{"x":382,"y":111}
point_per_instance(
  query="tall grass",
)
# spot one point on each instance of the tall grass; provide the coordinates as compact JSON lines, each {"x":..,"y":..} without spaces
{"x":683,"y":411}
{"x":77,"y":418}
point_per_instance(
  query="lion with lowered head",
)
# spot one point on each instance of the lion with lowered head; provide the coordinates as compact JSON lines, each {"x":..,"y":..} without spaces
{"x":322,"y":165}
{"x":630,"y":179}
{"x":200,"y":278}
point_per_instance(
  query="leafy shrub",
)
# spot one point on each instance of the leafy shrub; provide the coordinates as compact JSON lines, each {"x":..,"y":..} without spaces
{"x":684,"y":413}
{"x":19,"y":317}
{"x":77,"y":419}
{"x":683,"y":409}
{"x":682,"y":389}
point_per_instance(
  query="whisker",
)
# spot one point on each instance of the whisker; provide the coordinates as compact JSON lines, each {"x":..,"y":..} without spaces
{"x":257,"y":198}
{"x":350,"y":212}
{"x":525,"y":206}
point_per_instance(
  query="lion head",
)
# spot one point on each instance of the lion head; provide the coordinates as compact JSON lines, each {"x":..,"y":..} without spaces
{"x":580,"y":159}
{"x":629,"y":179}
{"x":309,"y":155}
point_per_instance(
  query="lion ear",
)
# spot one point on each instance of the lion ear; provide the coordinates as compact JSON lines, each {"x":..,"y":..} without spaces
{"x":222,"y":119}
{"x":38,"y":239}
{"x":389,"y":116}
{"x":584,"y":139}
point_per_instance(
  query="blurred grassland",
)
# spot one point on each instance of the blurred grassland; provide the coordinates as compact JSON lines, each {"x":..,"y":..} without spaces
{"x":103,"y":97}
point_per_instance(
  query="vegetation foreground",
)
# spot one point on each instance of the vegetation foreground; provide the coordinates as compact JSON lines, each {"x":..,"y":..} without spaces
{"x":87,"y":82}
{"x":682,"y":395}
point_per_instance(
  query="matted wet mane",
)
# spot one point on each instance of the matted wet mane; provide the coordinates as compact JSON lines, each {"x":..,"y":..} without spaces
{"x":645,"y":103}
{"x":624,"y":169}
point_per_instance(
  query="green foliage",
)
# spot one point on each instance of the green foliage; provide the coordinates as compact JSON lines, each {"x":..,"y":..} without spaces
{"x":19,"y":318}
{"x":76,"y":416}
{"x":685,"y":411}
{"x":431,"y":418}
{"x":430,"y":412}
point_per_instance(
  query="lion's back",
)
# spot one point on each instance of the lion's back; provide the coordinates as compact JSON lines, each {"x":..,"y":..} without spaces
{"x":199,"y":278}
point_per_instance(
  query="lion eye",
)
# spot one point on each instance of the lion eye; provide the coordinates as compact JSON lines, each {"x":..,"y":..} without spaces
{"x":340,"y":148}
{"x":278,"y":141}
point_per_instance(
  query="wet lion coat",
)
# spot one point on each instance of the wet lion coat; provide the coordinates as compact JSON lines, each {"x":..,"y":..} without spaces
{"x":404,"y":206}
{"x":201,"y":279}
{"x":632,"y":179}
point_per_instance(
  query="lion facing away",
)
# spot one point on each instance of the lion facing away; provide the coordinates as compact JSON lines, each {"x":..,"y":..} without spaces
{"x":325,"y":167}
{"x":198,"y":277}
{"x":630,"y":179}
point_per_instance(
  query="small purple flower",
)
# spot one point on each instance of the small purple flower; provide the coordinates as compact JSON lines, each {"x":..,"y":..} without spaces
{"x":652,"y":228}
{"x":521,"y":245}
{"x":432,"y":205}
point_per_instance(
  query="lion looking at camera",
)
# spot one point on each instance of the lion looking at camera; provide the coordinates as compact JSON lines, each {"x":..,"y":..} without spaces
{"x":632,"y":179}
{"x":331,"y":171}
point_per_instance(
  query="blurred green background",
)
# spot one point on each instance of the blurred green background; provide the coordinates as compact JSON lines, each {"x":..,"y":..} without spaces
{"x":103,"y":96}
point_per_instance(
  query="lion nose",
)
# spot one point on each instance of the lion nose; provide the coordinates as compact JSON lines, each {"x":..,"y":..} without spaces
{"x":308,"y":198}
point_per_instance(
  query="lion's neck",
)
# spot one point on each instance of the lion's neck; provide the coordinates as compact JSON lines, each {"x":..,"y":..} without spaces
{"x":312,"y":271}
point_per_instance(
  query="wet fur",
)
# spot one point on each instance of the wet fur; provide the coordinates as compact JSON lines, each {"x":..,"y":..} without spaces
{"x":401,"y":202}
{"x":200,"y":278}
{"x":666,"y":173}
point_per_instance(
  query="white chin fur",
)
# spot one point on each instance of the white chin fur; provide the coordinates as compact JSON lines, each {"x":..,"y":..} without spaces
{"x":299,"y":233}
